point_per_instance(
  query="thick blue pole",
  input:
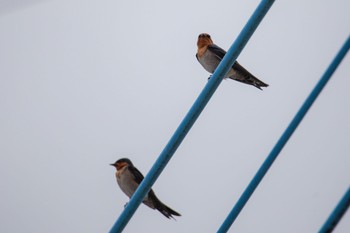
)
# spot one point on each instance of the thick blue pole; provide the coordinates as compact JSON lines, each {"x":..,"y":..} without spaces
{"x":337,"y":214}
{"x":283,"y":139}
{"x":192,"y":115}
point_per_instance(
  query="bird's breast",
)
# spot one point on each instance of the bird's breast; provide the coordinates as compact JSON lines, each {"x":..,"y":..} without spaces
{"x":208,"y":60}
{"x":126,"y":182}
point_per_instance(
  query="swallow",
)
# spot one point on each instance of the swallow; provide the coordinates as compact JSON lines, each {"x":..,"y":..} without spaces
{"x":129,"y":178}
{"x":210,"y":55}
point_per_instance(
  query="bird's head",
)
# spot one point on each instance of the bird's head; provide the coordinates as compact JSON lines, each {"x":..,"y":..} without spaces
{"x":204,"y":39}
{"x":119,"y":164}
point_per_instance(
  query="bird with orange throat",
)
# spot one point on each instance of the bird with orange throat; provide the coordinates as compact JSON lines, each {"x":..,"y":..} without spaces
{"x":210,"y":55}
{"x":129,"y":178}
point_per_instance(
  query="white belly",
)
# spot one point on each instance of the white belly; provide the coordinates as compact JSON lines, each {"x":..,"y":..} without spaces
{"x":126,"y":182}
{"x":128,"y":185}
{"x":209,"y":62}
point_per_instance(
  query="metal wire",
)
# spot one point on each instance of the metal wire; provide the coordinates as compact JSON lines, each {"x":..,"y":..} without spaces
{"x":337,"y":214}
{"x":192,"y":115}
{"x":283,"y":139}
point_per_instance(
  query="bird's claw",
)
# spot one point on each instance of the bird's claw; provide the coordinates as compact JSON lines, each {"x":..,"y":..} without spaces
{"x":209,"y":77}
{"x":126,"y":204}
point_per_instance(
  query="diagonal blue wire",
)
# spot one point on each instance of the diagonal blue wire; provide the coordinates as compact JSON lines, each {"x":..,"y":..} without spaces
{"x":192,"y":115}
{"x":337,"y":213}
{"x":283,"y":139}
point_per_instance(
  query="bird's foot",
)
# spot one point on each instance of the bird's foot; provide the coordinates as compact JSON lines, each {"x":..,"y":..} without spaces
{"x":209,"y":77}
{"x":126,"y":204}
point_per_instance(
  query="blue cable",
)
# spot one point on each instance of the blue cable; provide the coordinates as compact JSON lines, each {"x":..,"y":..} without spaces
{"x":192,"y":115}
{"x":283,"y":139}
{"x":337,"y":213}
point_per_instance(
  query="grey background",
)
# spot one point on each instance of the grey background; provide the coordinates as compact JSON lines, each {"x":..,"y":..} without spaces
{"x":84,"y":83}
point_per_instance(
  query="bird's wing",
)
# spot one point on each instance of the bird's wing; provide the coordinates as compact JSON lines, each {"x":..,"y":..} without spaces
{"x":246,"y":77}
{"x":242,"y":75}
{"x":219,"y":52}
{"x":241,"y":69}
{"x":138,"y":177}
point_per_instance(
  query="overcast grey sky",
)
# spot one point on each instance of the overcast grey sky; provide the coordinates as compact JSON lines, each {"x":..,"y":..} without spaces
{"x":84,"y":83}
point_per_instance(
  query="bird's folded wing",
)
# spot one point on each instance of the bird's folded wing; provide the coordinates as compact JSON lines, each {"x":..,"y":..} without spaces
{"x":219,"y":52}
{"x":138,"y":177}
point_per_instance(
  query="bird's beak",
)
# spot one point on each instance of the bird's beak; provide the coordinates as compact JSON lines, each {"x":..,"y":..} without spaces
{"x":112,"y":164}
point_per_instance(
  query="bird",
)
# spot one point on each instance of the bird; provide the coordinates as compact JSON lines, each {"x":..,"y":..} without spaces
{"x":129,"y":178}
{"x":209,"y":55}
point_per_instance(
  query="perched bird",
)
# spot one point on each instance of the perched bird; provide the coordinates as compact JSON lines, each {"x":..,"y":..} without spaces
{"x":129,"y":178}
{"x":210,"y":55}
